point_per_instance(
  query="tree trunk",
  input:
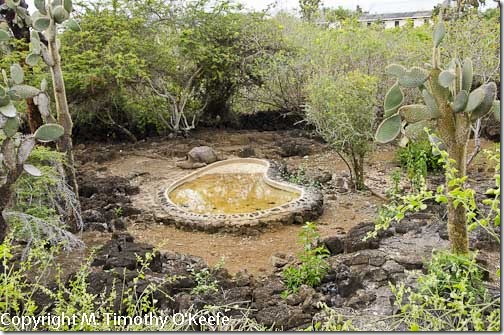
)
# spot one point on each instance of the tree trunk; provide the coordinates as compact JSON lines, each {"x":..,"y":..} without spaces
{"x":358,"y":167}
{"x":63,"y":113}
{"x":457,"y":225}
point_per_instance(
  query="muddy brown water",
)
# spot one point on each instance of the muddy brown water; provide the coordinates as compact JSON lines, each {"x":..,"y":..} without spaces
{"x":229,"y":193}
{"x":154,"y":163}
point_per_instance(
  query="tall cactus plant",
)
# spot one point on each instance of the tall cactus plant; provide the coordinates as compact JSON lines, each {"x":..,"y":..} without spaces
{"x":450,"y":107}
{"x":15,"y":148}
{"x":45,"y":21}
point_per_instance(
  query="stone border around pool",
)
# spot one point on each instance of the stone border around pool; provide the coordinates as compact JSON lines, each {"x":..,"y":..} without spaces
{"x":308,"y":206}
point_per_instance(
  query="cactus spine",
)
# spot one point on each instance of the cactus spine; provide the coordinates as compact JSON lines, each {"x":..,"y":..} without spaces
{"x":449,"y":110}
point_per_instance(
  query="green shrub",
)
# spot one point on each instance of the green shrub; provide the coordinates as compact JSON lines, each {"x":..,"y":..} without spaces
{"x":42,"y":204}
{"x":451,"y":296}
{"x":342,"y":110}
{"x":313,"y":266}
{"x":417,"y":160}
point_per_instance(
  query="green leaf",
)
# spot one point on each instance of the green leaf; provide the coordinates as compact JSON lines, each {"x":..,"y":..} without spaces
{"x":4,"y":35}
{"x":439,"y":33}
{"x":32,"y":170}
{"x":17,"y":73}
{"x":388,"y":129}
{"x":8,"y":110}
{"x":49,"y":132}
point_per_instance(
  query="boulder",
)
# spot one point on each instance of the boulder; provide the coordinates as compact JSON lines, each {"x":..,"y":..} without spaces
{"x":203,"y":154}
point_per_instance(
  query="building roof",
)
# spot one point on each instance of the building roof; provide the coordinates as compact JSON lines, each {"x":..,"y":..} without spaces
{"x":396,"y":16}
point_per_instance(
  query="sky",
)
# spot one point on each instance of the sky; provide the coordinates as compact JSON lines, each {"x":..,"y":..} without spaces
{"x":371,"y":6}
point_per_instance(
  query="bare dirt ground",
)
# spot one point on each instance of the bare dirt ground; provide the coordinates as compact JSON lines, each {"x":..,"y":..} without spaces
{"x":151,"y":166}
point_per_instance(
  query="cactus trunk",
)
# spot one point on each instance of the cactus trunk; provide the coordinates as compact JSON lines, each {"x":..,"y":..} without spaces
{"x":457,"y":225}
{"x":63,"y":113}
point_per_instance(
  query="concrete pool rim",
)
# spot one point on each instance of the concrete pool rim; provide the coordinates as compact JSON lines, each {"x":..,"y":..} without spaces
{"x":307,"y":206}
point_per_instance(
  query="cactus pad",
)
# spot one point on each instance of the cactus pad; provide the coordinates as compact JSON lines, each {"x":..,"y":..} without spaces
{"x":460,"y":101}
{"x":32,"y":59}
{"x":60,"y":14}
{"x":11,"y":126}
{"x":41,"y":23}
{"x":475,"y":99}
{"x":40,"y":5}
{"x":4,"y":36}
{"x":416,"y":130}
{"x":8,"y":110}
{"x":446,"y":78}
{"x":25,"y":148}
{"x":496,"y":110}
{"x":415,"y":113}
{"x":393,"y":99}
{"x":17,"y":73}
{"x":25,"y":91}
{"x":395,"y":70}
{"x":388,"y":129}
{"x":32,"y":170}
{"x":490,"y":90}
{"x":439,"y":33}
{"x":49,"y":132}
{"x":415,"y":77}
{"x":467,"y":75}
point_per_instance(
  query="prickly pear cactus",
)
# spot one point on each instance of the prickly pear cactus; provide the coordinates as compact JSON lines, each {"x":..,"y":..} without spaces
{"x":449,"y":101}
{"x":450,"y":107}
{"x":15,"y":148}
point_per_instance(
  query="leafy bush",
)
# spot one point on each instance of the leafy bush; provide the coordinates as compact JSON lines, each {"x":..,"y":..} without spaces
{"x":313,"y":266}
{"x":342,"y":110}
{"x":42,"y":205}
{"x":417,"y":159}
{"x":451,"y":296}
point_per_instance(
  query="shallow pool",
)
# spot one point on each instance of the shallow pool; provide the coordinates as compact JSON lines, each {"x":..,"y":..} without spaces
{"x":229,"y":193}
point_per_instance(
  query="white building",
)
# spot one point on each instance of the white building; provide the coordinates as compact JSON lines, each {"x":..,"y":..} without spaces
{"x":391,"y":20}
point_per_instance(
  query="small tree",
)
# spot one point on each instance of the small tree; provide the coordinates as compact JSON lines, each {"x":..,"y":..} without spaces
{"x":341,"y":109}
{"x":309,"y":8}
{"x":450,"y":109}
